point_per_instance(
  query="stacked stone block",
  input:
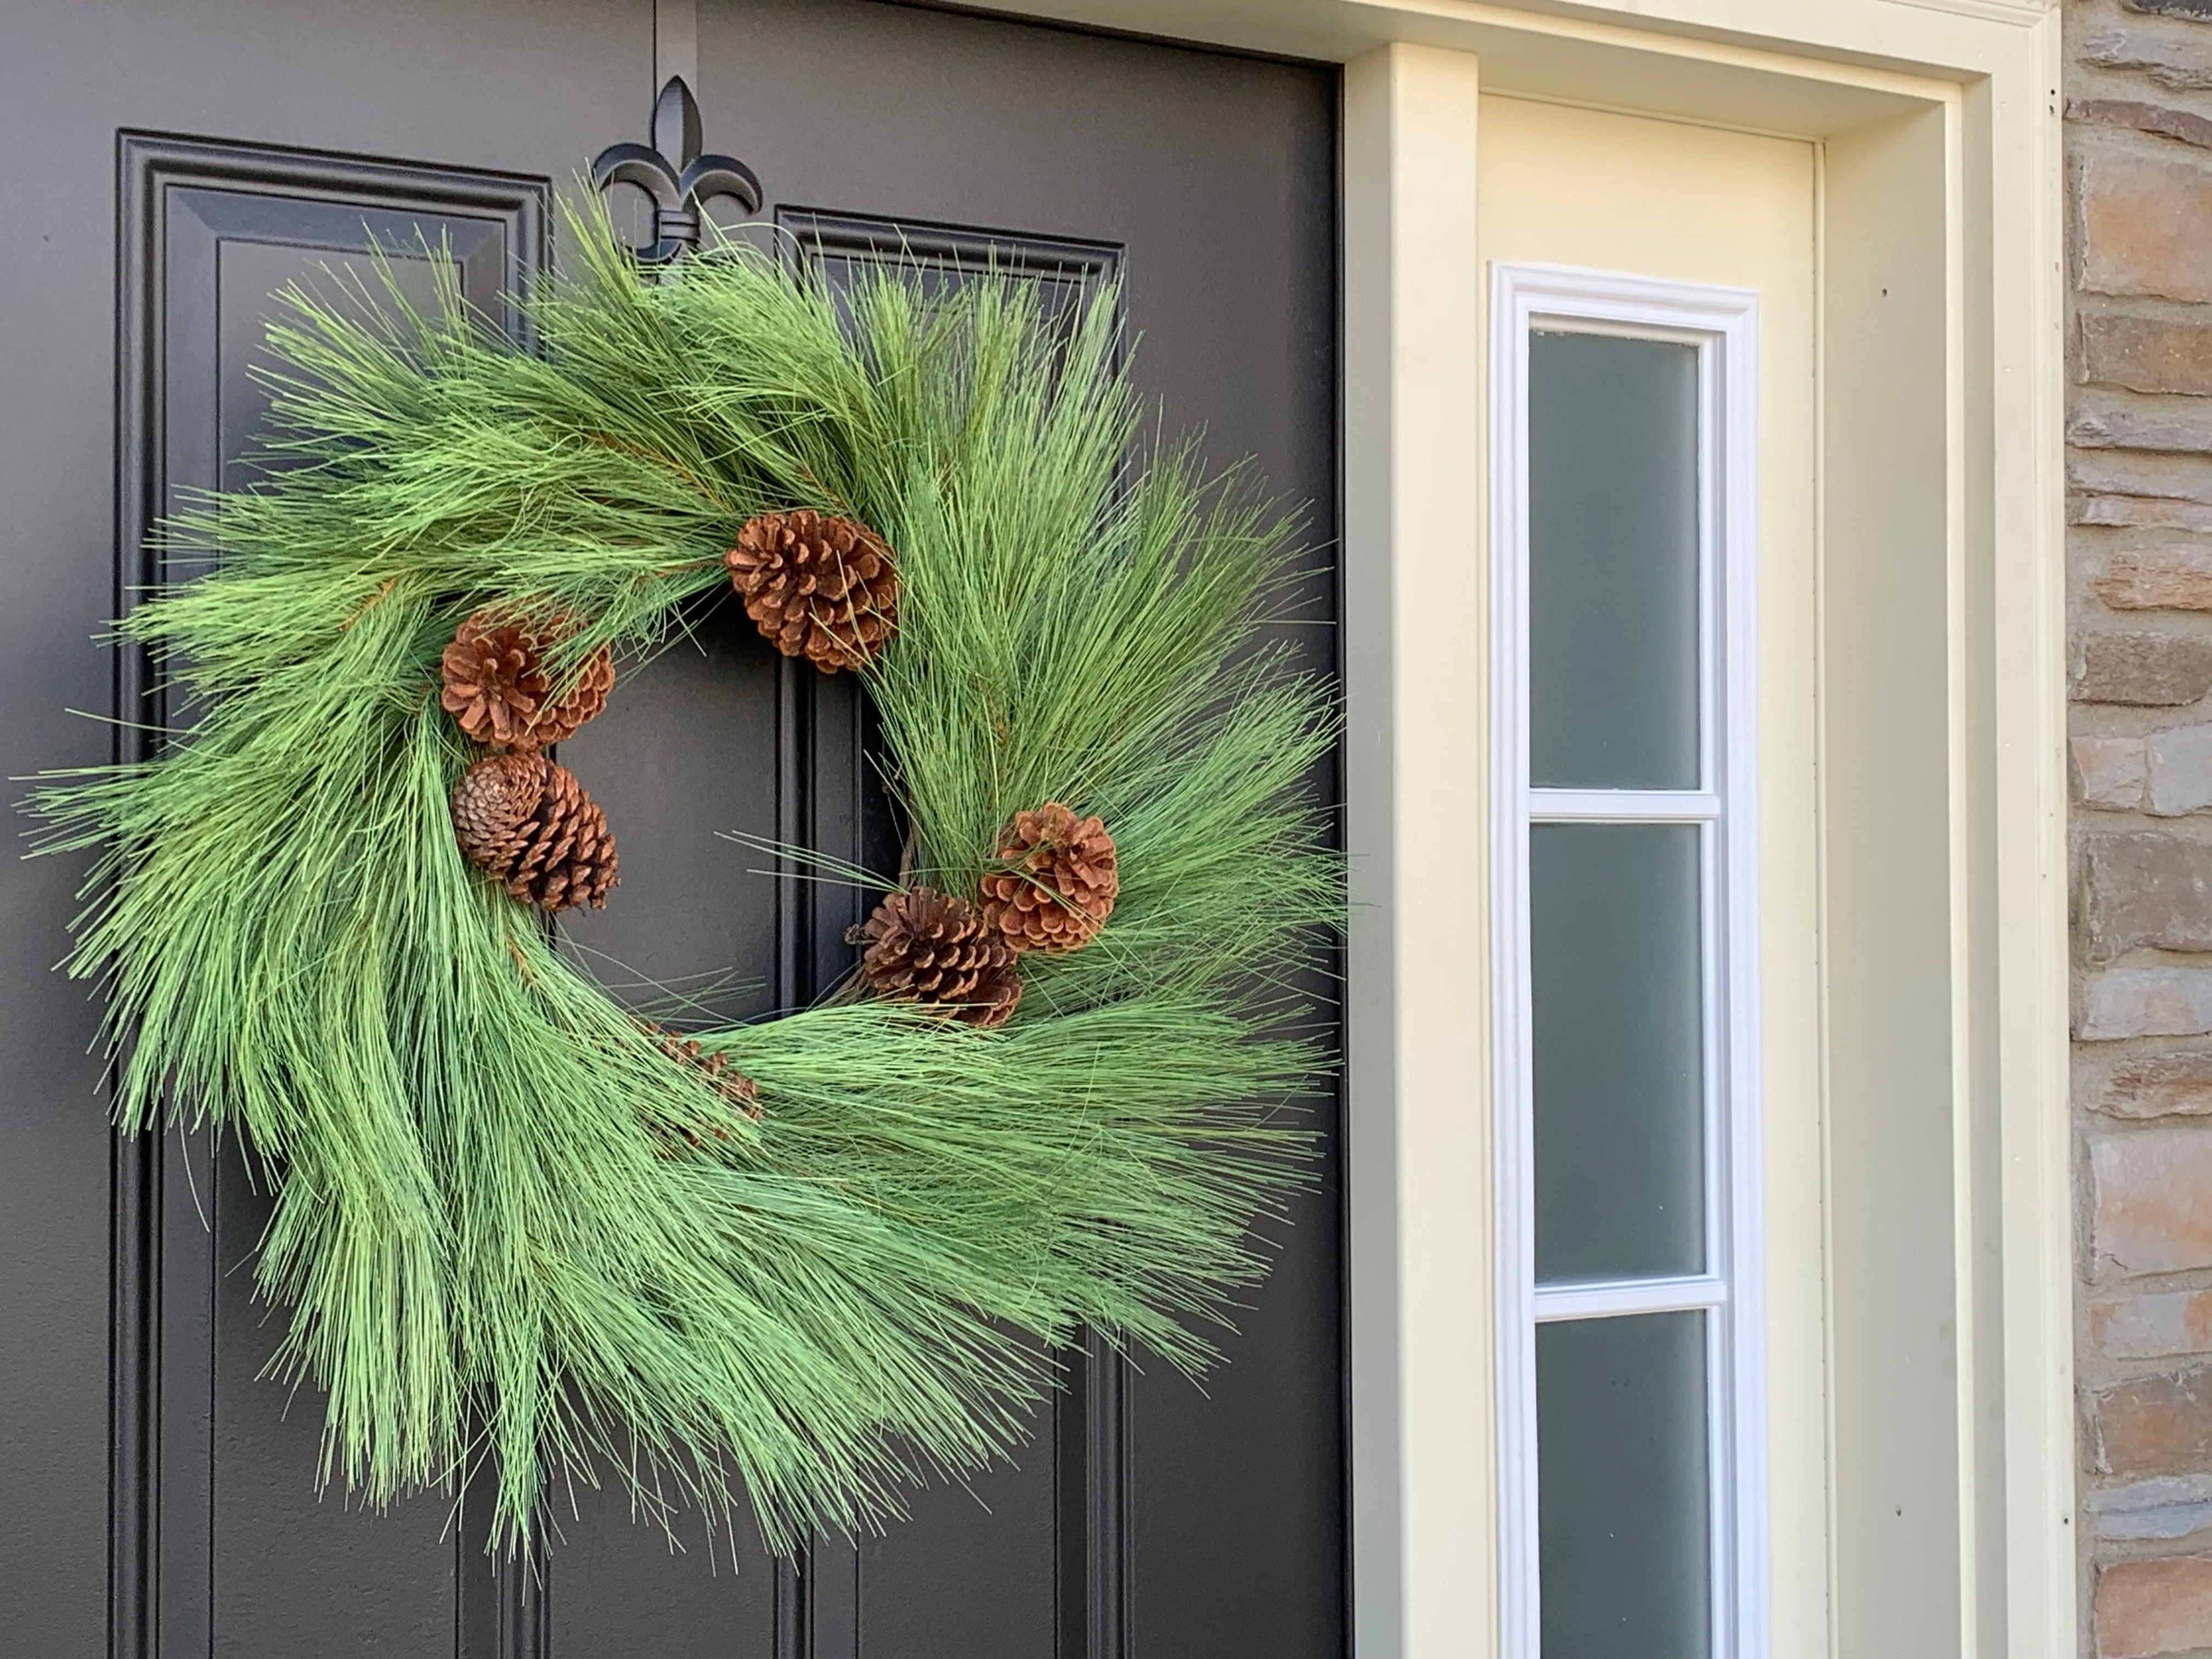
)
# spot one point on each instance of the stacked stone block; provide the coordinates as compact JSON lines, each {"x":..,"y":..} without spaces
{"x":2139,"y":475}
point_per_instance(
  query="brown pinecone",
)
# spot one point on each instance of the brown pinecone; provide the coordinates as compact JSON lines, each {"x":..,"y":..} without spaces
{"x":822,"y":588}
{"x":529,"y":823}
{"x":1059,"y":885}
{"x":933,"y":948}
{"x":730,"y":1083}
{"x":497,"y":683}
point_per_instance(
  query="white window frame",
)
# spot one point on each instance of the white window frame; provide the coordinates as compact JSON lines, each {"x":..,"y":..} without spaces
{"x":1721,"y":324}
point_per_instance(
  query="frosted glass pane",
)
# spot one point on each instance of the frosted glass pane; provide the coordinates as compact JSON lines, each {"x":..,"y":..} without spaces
{"x":1613,"y":562}
{"x":1622,"y":1530}
{"x":1619,"y":1050}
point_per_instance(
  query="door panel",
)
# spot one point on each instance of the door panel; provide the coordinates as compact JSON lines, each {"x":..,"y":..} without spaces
{"x":230,"y":1527}
{"x":1205,"y":1523}
{"x":86,"y":1470}
{"x":1210,"y":1523}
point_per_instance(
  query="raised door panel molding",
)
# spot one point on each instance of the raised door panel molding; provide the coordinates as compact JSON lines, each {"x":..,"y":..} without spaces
{"x":212,"y":1477}
{"x":828,"y":740}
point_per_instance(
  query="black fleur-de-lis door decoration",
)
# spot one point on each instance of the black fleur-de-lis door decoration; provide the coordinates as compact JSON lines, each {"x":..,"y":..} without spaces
{"x":677,"y":178}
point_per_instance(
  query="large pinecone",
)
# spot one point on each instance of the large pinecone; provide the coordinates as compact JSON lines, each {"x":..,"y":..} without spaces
{"x":933,"y":948}
{"x":1059,"y":883}
{"x":528,"y":822}
{"x":824,"y":588}
{"x":498,"y":683}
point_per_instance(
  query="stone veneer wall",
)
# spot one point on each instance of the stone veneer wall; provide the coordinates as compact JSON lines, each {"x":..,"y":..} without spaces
{"x":2138,"y":88}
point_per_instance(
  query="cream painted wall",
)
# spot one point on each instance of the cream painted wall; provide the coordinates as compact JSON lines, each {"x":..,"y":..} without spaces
{"x":1659,"y":198}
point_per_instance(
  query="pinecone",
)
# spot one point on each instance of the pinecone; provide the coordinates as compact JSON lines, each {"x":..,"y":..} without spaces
{"x":932,"y":948}
{"x":497,"y":683}
{"x":1059,"y":885}
{"x":821,"y":587}
{"x":730,"y":1083}
{"x":530,"y":824}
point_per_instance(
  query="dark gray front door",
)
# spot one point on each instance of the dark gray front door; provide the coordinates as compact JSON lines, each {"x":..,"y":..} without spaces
{"x":156,"y":1495}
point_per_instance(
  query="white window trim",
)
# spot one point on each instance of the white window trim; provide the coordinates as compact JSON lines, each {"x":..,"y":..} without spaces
{"x":1723,"y":324}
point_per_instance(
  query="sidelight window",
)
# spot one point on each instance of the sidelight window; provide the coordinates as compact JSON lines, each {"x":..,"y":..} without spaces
{"x":1633,"y":1470}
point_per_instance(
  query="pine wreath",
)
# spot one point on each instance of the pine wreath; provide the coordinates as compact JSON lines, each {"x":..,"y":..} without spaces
{"x":805,"y":1262}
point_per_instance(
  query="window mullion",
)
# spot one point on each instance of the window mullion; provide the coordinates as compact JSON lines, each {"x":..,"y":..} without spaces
{"x":1622,"y":1299}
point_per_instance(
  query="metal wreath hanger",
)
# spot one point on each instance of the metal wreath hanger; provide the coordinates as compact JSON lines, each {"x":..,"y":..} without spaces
{"x":679,"y":179}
